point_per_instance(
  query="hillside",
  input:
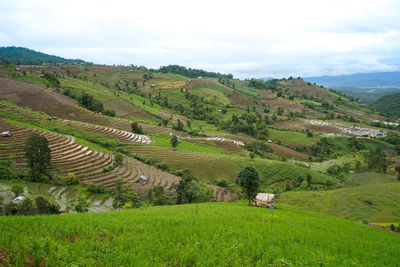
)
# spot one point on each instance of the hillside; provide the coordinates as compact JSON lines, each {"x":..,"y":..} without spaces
{"x":388,"y":105}
{"x":367,"y":96}
{"x":21,"y":55}
{"x":376,"y":203}
{"x":212,"y":234}
{"x":299,"y":136}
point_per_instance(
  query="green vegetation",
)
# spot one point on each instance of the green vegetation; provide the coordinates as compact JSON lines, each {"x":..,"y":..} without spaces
{"x":374,"y":202}
{"x":192,"y":73}
{"x":249,"y":181}
{"x":37,"y":152}
{"x":218,"y":234}
{"x":308,"y":165}
{"x":388,"y":105}
{"x":21,"y":55}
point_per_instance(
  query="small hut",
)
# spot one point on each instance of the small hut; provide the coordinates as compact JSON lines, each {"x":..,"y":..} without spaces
{"x":264,"y":200}
{"x":142,"y":179}
{"x":18,"y":199}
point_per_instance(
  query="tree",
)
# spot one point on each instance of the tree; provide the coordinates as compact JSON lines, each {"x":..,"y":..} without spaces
{"x":398,"y":172}
{"x":179,"y":126}
{"x":190,"y":190}
{"x":249,"y":180}
{"x":174,"y":142}
{"x":38,"y":153}
{"x":17,"y":190}
{"x":252,"y":155}
{"x":157,"y":196}
{"x":376,"y":160}
{"x":80,"y":204}
{"x":45,"y":207}
{"x":124,"y":198}
{"x":26,"y":207}
{"x":135,"y":127}
{"x":109,"y":112}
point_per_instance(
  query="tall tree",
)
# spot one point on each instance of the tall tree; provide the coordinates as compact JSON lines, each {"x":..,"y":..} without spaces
{"x":174,"y":142}
{"x":38,"y":153}
{"x":249,"y":180}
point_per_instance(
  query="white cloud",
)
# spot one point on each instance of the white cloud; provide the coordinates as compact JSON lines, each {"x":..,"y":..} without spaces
{"x":252,"y":38}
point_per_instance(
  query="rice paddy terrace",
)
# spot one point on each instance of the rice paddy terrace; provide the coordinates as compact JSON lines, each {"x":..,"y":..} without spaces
{"x":70,"y":157}
{"x":157,"y":101}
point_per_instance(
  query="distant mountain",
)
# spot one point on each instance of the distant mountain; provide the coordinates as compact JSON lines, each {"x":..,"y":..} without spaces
{"x":359,"y":80}
{"x":21,"y":55}
{"x":388,"y":105}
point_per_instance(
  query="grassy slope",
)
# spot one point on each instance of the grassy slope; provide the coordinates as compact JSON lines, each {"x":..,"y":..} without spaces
{"x":220,"y":234}
{"x":375,"y":202}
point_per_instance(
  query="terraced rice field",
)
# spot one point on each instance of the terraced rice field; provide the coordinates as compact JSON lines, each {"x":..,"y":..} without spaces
{"x":123,"y":136}
{"x":70,"y":157}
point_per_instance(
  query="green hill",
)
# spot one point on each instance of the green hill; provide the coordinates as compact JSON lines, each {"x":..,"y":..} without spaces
{"x":377,"y":203}
{"x":214,"y":234}
{"x":388,"y":105}
{"x":21,"y":55}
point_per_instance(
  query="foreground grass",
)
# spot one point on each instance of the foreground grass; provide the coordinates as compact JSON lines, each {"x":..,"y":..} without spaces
{"x":221,"y":234}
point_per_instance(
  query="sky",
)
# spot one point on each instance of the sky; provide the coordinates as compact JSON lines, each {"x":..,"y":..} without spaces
{"x":250,"y":38}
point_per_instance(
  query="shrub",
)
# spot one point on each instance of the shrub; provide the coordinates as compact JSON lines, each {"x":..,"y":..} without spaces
{"x":71,"y":179}
{"x":221,"y":183}
{"x":17,"y":190}
{"x":80,"y":204}
{"x":136,"y":128}
{"x":5,"y":171}
{"x":45,"y":207}
{"x":124,"y":198}
{"x":26,"y":207}
{"x":109,"y":112}
{"x":96,"y":188}
{"x":157,"y":196}
{"x":11,"y":209}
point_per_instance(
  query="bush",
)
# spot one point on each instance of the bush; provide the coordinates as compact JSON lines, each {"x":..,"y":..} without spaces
{"x":136,"y":128}
{"x":124,"y":198}
{"x":11,"y":209}
{"x":157,"y":197}
{"x":17,"y":190}
{"x":71,"y":179}
{"x":26,"y":207}
{"x":45,"y":207}
{"x":80,"y":204}
{"x":96,"y":188}
{"x":5,"y":171}
{"x":118,"y":158}
{"x":109,"y":112}
{"x":222,"y":183}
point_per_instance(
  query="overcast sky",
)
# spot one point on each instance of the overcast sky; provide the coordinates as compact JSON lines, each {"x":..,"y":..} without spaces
{"x":246,"y":38}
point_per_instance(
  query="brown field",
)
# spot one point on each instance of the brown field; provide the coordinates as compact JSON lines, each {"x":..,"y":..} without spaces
{"x":242,"y":99}
{"x":302,"y":87}
{"x":283,"y":103}
{"x":288,"y":152}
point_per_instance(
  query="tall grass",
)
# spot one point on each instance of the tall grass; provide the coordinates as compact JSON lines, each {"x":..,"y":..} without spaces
{"x":221,"y":234}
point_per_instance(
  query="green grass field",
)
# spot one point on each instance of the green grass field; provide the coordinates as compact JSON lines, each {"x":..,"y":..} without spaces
{"x":374,"y":203}
{"x":291,"y":137}
{"x":218,"y":234}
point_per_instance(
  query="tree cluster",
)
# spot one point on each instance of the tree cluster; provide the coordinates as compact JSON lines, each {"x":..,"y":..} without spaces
{"x":192,"y":73}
